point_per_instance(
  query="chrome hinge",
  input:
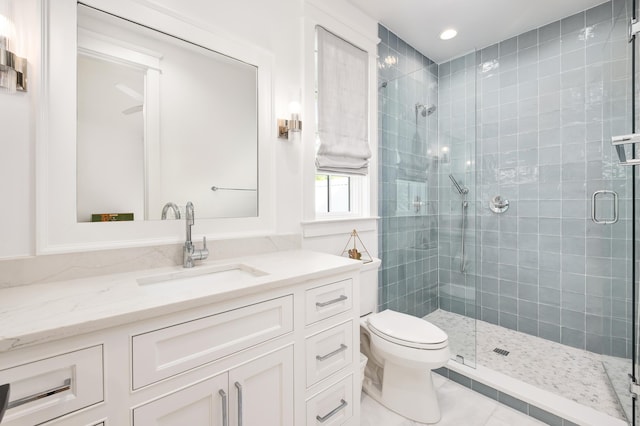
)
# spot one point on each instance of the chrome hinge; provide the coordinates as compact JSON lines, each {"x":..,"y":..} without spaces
{"x":634,"y":28}
{"x":634,"y":387}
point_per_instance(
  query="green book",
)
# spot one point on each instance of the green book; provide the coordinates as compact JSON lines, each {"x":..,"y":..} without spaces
{"x":111,"y":217}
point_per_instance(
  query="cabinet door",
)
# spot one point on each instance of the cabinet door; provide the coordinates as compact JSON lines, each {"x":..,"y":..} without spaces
{"x":262,"y":391}
{"x":204,"y":403}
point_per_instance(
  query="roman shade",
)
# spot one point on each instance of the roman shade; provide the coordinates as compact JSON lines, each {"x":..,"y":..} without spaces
{"x":343,"y":107}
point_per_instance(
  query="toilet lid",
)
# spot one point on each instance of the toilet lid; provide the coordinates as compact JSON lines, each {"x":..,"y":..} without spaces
{"x":407,"y":328}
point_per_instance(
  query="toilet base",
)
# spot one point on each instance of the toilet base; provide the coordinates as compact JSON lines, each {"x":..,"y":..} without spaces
{"x":408,"y":392}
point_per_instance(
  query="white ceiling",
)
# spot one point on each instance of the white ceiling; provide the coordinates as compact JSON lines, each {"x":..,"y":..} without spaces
{"x":480,"y":23}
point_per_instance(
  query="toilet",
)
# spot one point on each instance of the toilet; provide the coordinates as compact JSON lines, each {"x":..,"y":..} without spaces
{"x":401,"y":350}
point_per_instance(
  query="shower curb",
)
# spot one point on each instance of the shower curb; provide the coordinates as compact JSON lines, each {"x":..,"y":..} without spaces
{"x":542,"y":405}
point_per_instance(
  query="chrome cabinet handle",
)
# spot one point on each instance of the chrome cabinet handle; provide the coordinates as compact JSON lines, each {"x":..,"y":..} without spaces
{"x":342,"y":348}
{"x":333,"y":412}
{"x":225,"y":414}
{"x":331,"y":302}
{"x":594,"y":216}
{"x":239,"y":388}
{"x":18,"y":402}
{"x":5,"y":391}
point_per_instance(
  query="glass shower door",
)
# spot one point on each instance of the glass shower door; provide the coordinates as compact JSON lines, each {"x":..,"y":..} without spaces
{"x":616,"y":200}
{"x":457,"y":207}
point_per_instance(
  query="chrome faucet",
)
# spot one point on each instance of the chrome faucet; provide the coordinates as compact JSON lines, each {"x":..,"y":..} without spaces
{"x":189,"y":252}
{"x":172,"y":206}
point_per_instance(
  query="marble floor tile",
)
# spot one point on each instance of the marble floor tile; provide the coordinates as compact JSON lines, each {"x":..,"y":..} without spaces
{"x":374,"y":414}
{"x":460,"y":406}
{"x":505,"y":416}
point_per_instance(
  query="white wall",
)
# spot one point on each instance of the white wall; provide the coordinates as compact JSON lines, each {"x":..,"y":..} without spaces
{"x":17,"y":143}
{"x":274,"y":25}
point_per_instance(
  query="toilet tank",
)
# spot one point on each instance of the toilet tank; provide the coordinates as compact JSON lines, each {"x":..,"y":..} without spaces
{"x":369,"y":287}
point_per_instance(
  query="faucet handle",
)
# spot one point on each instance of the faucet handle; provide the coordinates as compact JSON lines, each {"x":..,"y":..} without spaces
{"x":204,"y":243}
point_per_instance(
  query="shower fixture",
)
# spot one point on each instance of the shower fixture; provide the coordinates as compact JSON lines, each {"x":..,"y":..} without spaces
{"x":462,"y":190}
{"x":425,"y":110}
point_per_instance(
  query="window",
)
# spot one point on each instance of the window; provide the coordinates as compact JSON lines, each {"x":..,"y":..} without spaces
{"x":342,"y":147}
{"x":333,"y":194}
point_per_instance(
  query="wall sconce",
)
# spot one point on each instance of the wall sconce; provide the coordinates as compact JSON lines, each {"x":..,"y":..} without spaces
{"x":292,"y":125}
{"x":13,"y":69}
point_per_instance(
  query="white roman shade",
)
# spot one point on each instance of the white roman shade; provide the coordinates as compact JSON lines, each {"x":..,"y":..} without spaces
{"x":343,"y":114}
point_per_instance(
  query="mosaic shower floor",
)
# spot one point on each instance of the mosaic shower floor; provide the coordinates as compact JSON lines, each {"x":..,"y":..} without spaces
{"x":572,"y":373}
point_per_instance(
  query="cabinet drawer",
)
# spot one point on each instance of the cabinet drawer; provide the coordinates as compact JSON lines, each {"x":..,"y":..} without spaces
{"x":328,"y":352}
{"x":52,"y":387}
{"x":163,"y":353}
{"x":328,"y":300}
{"x":333,"y":406}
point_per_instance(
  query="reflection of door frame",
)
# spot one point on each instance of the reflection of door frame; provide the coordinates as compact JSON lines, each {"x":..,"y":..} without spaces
{"x":110,"y":49}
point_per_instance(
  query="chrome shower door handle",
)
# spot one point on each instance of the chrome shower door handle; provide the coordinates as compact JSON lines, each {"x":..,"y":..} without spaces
{"x":594,"y":215}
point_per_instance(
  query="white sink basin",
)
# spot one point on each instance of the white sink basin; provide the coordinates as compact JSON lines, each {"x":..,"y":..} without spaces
{"x":204,"y":275}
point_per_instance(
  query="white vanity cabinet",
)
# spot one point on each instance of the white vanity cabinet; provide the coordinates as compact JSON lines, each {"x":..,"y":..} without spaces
{"x":331,"y":350}
{"x":283,"y":353}
{"x":204,"y":403}
{"x":258,"y":393}
{"x":53,"y":386}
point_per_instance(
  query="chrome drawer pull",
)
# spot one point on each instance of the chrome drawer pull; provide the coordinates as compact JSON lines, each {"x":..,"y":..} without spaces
{"x":331,"y":302}
{"x":239,"y":388}
{"x":5,"y":391}
{"x":18,"y":402}
{"x":333,"y":412}
{"x":342,"y":348}
{"x":225,"y":414}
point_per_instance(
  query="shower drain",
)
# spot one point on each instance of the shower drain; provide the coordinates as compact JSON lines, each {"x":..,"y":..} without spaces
{"x":501,"y":351}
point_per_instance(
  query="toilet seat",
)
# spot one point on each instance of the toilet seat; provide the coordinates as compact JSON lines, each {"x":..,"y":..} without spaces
{"x":407,"y":330}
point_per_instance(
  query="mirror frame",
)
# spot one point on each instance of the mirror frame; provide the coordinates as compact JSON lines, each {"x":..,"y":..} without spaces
{"x":57,"y":229}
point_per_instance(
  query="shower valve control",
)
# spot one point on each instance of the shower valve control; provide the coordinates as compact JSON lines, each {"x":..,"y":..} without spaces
{"x":498,"y":204}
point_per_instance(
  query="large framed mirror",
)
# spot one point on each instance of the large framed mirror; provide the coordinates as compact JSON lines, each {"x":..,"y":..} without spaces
{"x":161,"y":121}
{"x":149,"y":111}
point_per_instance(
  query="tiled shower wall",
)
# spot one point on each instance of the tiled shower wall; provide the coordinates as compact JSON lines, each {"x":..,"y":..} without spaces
{"x":548,"y":102}
{"x":408,"y":178}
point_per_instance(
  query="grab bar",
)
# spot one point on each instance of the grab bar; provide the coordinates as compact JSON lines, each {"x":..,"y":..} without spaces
{"x":465,"y":204}
{"x":594,"y":216}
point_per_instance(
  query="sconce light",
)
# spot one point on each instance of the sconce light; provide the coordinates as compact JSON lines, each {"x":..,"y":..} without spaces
{"x":292,"y":125}
{"x":13,"y":69}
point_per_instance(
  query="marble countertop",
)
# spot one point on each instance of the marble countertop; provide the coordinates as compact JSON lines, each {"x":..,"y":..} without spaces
{"x":38,"y":313}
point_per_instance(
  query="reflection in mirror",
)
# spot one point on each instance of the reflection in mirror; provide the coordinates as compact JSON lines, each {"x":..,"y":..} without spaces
{"x":161,"y":121}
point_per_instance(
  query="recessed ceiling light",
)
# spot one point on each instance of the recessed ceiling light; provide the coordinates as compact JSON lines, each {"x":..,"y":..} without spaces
{"x":448,"y":34}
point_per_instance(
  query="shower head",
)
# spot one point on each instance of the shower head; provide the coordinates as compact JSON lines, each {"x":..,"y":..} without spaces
{"x":424,"y":110}
{"x":461,"y":189}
